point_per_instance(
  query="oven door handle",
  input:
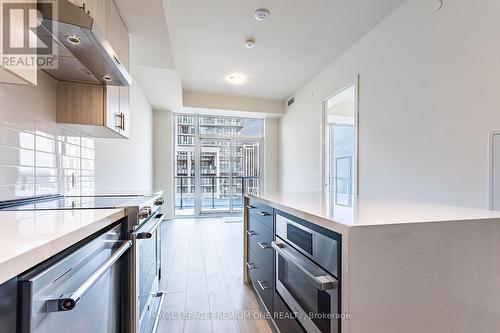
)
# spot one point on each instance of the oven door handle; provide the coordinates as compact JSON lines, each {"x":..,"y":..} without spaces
{"x":322,"y":282}
{"x":68,"y":301}
{"x":149,"y":234}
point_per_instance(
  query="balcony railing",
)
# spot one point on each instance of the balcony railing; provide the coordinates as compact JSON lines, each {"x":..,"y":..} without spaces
{"x":217,"y":192}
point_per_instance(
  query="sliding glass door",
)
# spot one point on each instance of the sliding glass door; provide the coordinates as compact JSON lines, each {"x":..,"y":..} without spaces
{"x":215,"y":176}
{"x":228,"y":153}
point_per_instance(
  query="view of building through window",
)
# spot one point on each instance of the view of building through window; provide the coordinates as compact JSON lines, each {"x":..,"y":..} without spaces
{"x":217,"y":160}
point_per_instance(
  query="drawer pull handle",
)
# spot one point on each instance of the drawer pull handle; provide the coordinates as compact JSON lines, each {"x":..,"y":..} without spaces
{"x":264,"y":213}
{"x":251,"y":233}
{"x":250,"y":266}
{"x":263,"y":245}
{"x":250,"y":207}
{"x":261,"y":285}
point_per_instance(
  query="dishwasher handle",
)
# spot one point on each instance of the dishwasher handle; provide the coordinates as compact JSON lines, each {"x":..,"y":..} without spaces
{"x":68,"y":301}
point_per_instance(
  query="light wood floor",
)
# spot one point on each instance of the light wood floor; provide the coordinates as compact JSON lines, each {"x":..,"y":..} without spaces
{"x":202,"y":277}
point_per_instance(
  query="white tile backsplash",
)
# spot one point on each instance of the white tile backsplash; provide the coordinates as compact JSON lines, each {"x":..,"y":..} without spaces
{"x":37,"y":155}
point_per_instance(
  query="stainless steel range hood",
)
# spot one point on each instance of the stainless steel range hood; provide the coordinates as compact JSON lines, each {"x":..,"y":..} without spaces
{"x":83,"y":53}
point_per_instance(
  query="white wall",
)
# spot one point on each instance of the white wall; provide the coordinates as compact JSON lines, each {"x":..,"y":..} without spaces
{"x":126,"y":166}
{"x":271,"y":154}
{"x":211,"y":102}
{"x":163,"y":158}
{"x":428,"y":99}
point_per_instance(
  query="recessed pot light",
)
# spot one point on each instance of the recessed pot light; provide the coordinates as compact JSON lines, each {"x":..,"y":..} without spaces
{"x":107,"y":78}
{"x":236,"y":78}
{"x":73,"y":39}
{"x":261,"y":14}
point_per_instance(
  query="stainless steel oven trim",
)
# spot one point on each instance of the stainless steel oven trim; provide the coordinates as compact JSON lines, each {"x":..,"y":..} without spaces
{"x":137,"y":317}
{"x":325,"y":249}
{"x":162,"y":298}
{"x":68,"y":301}
{"x":308,"y":324}
{"x":294,"y":306}
{"x":317,"y":276}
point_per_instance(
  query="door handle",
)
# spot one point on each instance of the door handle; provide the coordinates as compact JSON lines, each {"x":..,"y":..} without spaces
{"x":250,"y":266}
{"x":149,"y":234}
{"x":120,"y":121}
{"x":263,"y":245}
{"x":68,"y":301}
{"x":261,"y":285}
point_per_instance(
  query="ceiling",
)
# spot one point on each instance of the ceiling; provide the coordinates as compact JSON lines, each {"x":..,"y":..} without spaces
{"x":298,"y":40}
{"x":151,"y":60}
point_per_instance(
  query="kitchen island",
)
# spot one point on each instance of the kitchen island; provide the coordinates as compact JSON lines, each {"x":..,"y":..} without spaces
{"x":402,"y":266}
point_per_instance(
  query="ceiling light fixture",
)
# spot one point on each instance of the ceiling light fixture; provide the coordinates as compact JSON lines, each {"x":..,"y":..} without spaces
{"x":261,"y":14}
{"x":249,"y":43}
{"x":236,"y":78}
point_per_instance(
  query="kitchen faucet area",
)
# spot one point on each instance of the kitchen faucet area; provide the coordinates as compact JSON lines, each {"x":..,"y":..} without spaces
{"x":189,"y":166}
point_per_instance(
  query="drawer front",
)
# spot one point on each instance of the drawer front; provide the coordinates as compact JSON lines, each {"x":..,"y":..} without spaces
{"x":283,"y":317}
{"x":262,"y":279}
{"x":259,"y":241}
{"x":261,"y":212}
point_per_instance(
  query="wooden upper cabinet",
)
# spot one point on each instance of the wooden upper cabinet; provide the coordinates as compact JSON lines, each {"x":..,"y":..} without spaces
{"x":124,"y":46}
{"x":94,"y":110}
{"x":98,"y":11}
{"x":79,"y":103}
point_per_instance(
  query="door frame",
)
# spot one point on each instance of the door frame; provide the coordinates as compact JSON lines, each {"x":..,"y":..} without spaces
{"x":325,"y":144}
{"x":491,"y":167}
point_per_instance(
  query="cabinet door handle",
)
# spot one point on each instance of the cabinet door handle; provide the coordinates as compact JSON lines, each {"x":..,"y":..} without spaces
{"x":250,"y":207}
{"x":122,"y":121}
{"x":261,"y":285}
{"x":251,"y":233}
{"x":263,"y":245}
{"x":250,"y":266}
{"x":264,"y":213}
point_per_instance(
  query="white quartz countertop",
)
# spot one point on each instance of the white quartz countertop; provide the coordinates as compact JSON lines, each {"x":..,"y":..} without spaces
{"x":30,"y":237}
{"x":358,"y":211}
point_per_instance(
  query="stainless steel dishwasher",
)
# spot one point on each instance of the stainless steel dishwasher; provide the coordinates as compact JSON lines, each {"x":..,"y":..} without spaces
{"x":81,"y":290}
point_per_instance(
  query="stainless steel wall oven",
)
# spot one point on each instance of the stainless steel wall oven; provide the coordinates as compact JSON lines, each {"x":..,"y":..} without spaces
{"x":307,"y":274}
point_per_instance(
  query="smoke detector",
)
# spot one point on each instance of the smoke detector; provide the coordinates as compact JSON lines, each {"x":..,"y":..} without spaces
{"x":261,"y":14}
{"x":249,"y":43}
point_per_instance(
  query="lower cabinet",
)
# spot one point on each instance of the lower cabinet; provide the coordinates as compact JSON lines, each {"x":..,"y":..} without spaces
{"x":260,"y":266}
{"x":262,"y":280}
